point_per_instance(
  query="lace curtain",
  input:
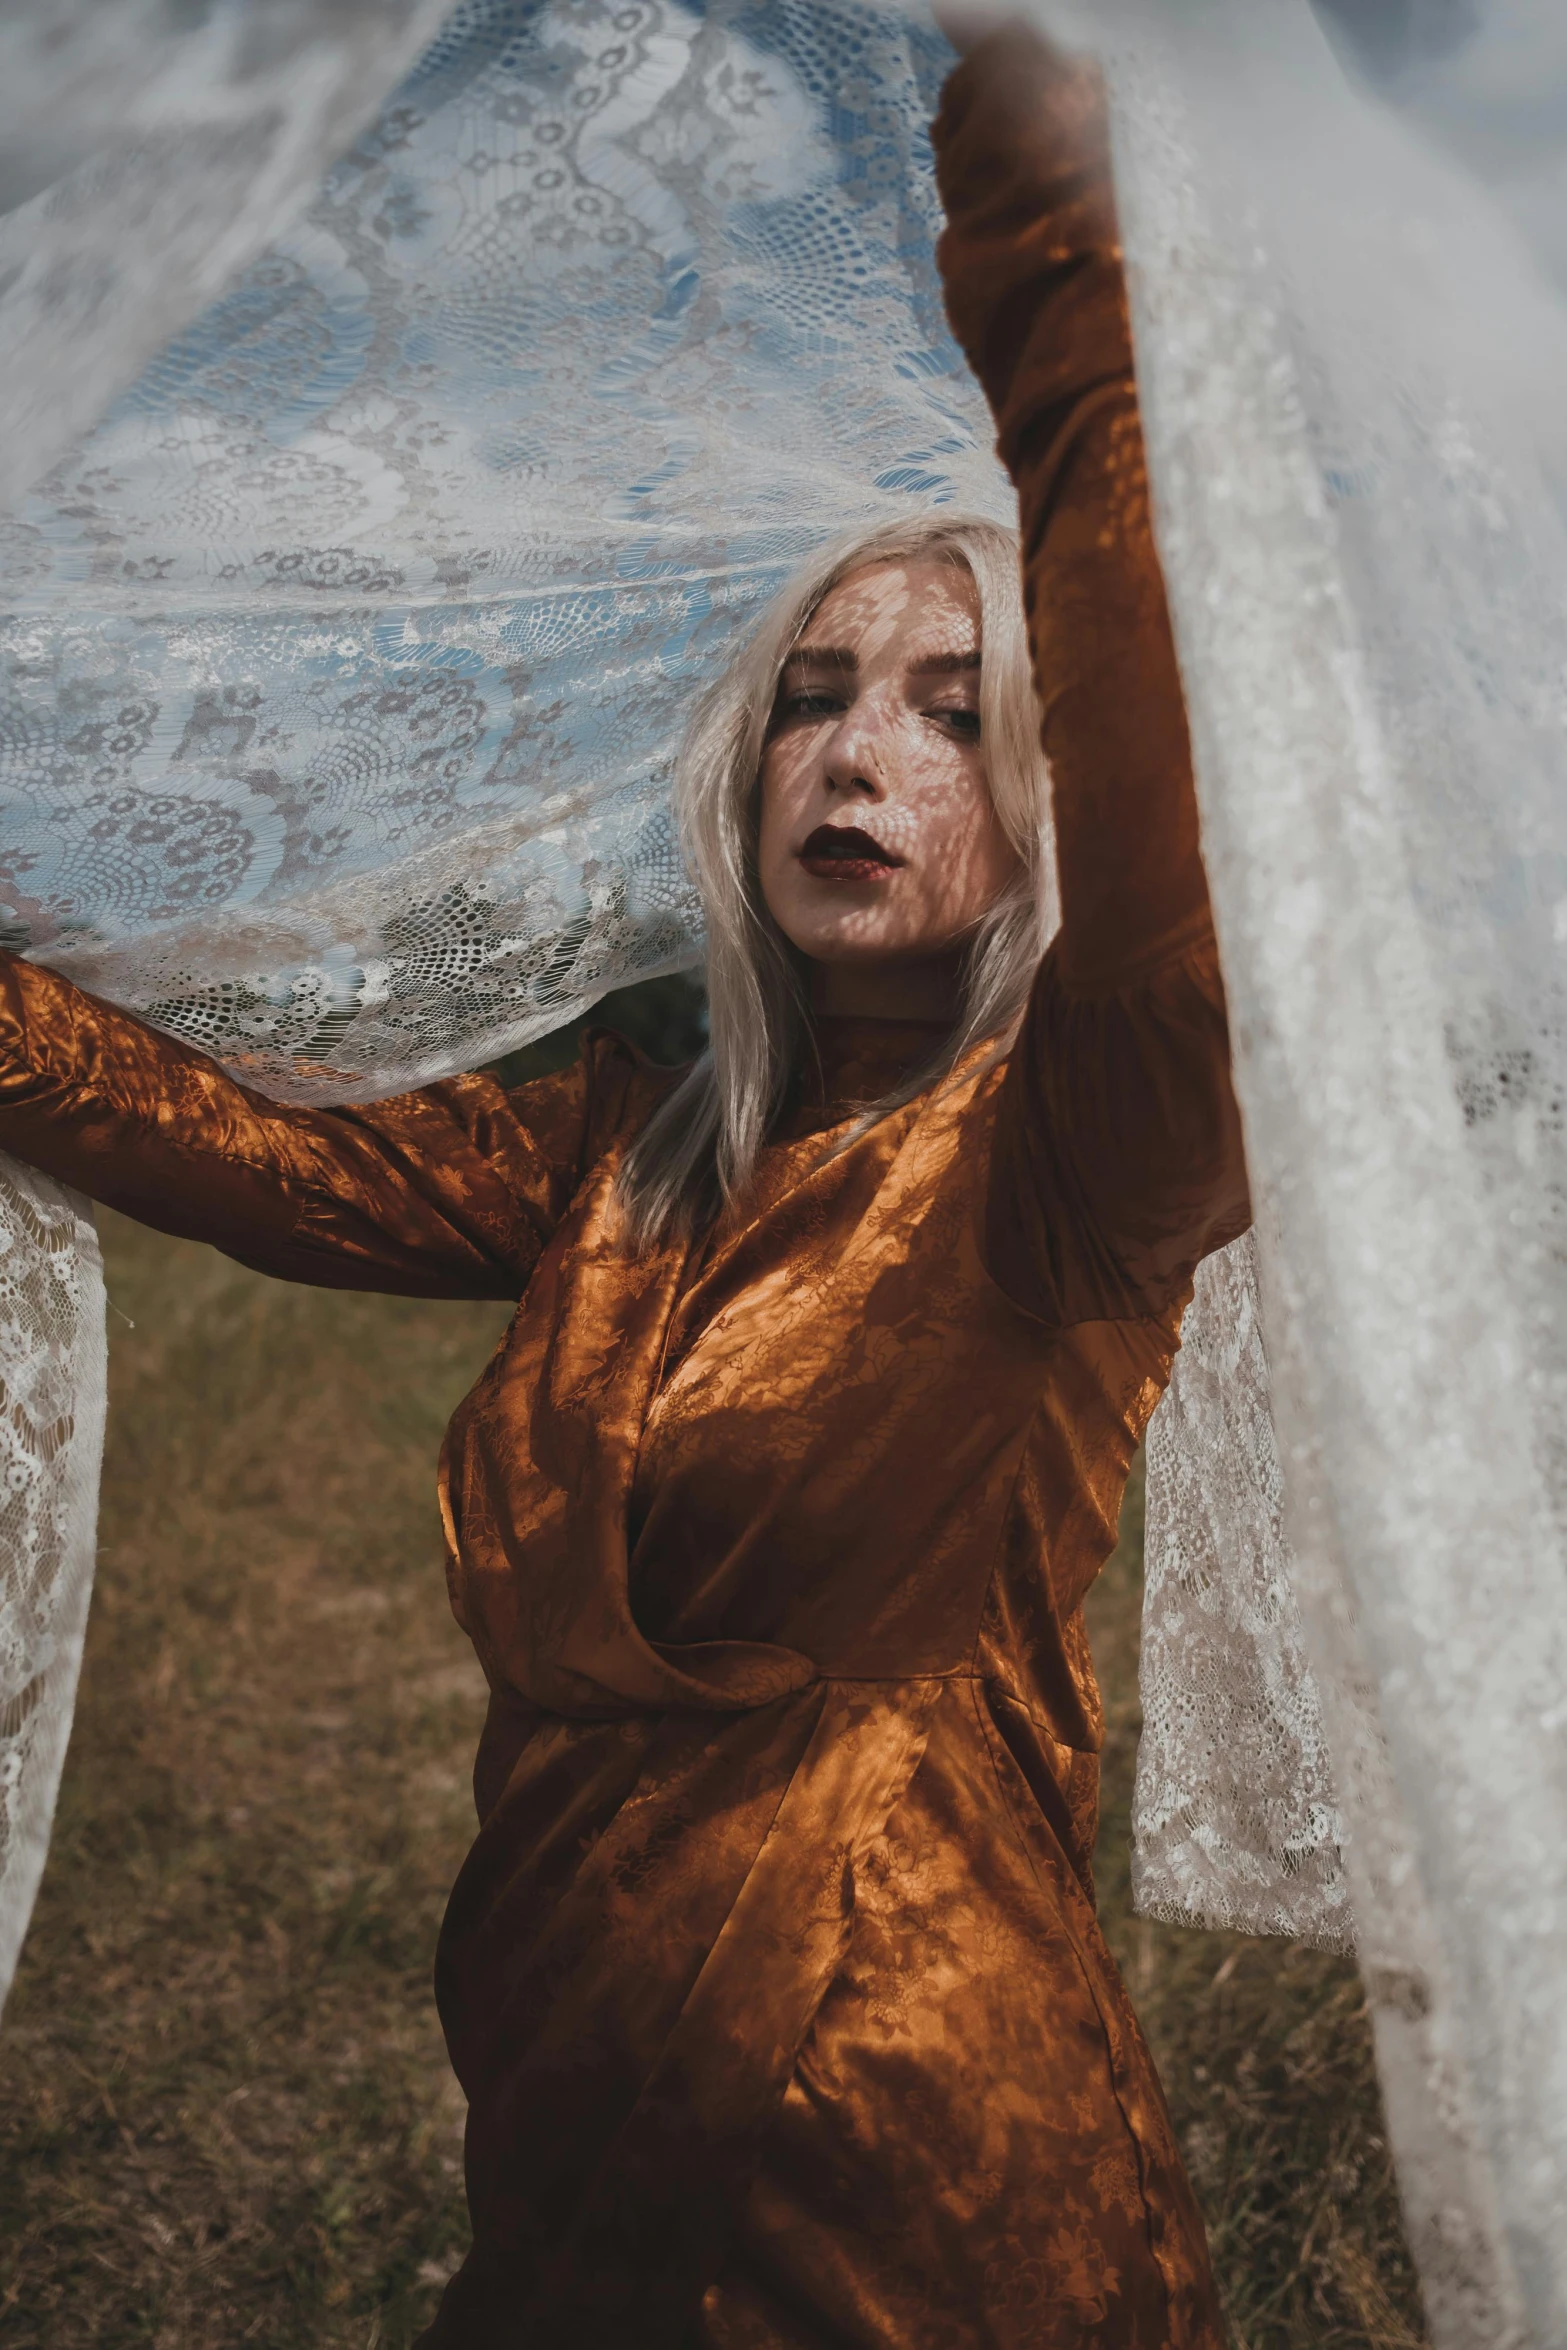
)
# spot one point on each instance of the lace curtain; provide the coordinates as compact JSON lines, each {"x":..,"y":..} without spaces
{"x":52,"y":1369}
{"x":148,"y":150}
{"x":344,"y":659}
{"x":1353,"y":368}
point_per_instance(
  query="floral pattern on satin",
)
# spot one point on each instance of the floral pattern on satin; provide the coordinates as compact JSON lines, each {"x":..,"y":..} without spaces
{"x":773,"y":1977}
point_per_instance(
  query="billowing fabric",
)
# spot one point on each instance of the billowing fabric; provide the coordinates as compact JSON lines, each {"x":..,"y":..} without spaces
{"x":53,"y":1380}
{"x":1237,"y":1819}
{"x":1352,"y":383}
{"x":148,"y":150}
{"x":773,"y":1978}
{"x":344,"y":663}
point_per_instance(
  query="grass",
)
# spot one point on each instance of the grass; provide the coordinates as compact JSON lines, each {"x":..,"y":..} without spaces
{"x":225,"y":2112}
{"x":1265,"y":2052}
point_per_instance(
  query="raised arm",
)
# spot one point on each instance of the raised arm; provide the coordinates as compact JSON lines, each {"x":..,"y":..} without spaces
{"x":1031,"y":265}
{"x":449,"y":1192}
{"x":1119,"y":1159}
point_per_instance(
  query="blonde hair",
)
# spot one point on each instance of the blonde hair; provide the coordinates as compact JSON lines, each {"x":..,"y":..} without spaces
{"x":696,"y":1154}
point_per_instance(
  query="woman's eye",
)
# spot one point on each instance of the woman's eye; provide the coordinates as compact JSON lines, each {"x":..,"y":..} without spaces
{"x":808,"y":705}
{"x":964,"y":723}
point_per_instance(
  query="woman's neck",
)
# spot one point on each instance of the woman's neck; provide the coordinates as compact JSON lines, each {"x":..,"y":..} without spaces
{"x":930,"y":988}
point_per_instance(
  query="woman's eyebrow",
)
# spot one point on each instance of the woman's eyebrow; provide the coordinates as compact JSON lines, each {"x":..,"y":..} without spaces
{"x":829,"y":656}
{"x":952,"y":664}
{"x":944,"y":664}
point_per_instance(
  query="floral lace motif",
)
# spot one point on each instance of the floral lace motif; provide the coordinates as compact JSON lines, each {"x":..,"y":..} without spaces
{"x":52,"y":1369}
{"x":350,"y":651}
{"x":1235,"y":1816}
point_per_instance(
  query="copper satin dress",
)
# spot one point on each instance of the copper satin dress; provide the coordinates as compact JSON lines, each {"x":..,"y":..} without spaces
{"x":773,"y":1977}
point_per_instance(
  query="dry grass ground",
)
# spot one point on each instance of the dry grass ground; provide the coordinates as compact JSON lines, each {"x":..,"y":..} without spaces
{"x":1265,"y":2052}
{"x":225,"y":2115}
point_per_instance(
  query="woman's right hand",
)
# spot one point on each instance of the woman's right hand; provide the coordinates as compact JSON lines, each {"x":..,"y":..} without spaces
{"x":1045,"y":122}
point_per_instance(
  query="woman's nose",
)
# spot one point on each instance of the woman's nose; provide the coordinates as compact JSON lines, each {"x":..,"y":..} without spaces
{"x":855,"y":760}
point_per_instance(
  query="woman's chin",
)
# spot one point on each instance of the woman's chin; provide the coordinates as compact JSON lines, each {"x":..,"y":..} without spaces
{"x":854,"y":951}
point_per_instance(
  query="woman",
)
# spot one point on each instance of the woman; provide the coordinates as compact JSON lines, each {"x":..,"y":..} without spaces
{"x":773,"y":1976}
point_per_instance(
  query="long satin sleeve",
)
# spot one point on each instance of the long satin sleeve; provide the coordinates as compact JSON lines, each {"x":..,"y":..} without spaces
{"x":452,"y":1191}
{"x":1118,"y":1160}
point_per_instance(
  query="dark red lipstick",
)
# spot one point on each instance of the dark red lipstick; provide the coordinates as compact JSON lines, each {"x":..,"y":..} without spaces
{"x":842,"y":852}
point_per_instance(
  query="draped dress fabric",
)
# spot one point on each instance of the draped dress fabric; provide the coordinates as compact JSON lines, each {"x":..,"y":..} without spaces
{"x":773,"y":1977}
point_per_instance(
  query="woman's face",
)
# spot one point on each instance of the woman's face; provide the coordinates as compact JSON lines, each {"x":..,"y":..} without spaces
{"x":880,"y":849}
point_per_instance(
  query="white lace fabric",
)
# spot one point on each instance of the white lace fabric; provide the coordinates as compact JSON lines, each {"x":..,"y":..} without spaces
{"x":1237,"y":1819}
{"x":52,"y":1373}
{"x":1352,"y":390}
{"x":147,"y":151}
{"x":389,"y":584}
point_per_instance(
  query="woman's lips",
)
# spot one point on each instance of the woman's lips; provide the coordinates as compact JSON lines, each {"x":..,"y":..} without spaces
{"x":842,"y":852}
